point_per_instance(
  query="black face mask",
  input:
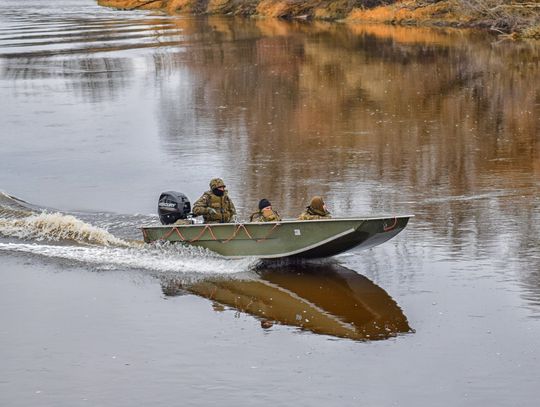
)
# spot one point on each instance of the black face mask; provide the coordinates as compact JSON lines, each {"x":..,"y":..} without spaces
{"x":218,"y":192}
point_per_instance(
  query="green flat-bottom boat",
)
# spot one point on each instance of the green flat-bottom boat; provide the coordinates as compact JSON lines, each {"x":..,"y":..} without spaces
{"x":308,"y":239}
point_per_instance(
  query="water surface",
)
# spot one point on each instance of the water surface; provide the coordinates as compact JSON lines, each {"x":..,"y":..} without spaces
{"x":102,"y":110}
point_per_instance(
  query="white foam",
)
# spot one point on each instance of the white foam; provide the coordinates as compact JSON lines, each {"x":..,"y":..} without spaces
{"x":55,"y":227}
{"x":162,"y":258}
{"x":96,"y":246}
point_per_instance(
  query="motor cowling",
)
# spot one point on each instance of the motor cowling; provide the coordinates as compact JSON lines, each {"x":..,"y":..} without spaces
{"x":173,"y":206}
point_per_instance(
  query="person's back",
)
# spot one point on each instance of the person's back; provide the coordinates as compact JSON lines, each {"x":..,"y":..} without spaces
{"x":265,"y":213}
{"x":215,"y":206}
{"x":315,"y":210}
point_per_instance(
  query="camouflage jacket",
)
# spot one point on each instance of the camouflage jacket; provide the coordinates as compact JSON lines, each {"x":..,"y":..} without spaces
{"x":310,"y":214}
{"x":223,"y":206}
{"x":259,"y":216}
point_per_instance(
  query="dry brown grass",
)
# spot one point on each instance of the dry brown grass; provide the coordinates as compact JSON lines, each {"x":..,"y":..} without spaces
{"x":532,"y":32}
{"x":413,"y":12}
{"x":284,"y":8}
{"x":237,"y":7}
{"x":505,"y":16}
{"x":521,"y":18}
{"x":187,"y":6}
{"x":133,"y":4}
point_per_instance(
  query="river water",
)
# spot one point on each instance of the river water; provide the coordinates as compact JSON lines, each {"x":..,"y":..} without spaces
{"x":101,"y":110}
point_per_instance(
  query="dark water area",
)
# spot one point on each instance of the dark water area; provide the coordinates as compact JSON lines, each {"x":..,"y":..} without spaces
{"x":101,"y":110}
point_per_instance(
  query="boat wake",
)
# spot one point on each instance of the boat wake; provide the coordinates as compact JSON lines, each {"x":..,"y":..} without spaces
{"x":58,"y":227}
{"x":165,"y":258}
{"x":29,"y":229}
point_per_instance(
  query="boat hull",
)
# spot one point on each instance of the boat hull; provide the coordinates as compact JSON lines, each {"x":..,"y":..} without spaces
{"x":285,"y":239}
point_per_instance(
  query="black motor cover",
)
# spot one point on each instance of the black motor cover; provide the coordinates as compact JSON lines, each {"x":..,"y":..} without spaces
{"x":172,"y":206}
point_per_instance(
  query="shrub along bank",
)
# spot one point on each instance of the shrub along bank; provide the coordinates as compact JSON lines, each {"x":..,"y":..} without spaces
{"x":516,"y":18}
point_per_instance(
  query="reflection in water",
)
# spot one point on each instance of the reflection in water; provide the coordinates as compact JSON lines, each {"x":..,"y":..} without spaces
{"x":261,"y":104}
{"x":325,"y":299}
{"x":91,"y":79}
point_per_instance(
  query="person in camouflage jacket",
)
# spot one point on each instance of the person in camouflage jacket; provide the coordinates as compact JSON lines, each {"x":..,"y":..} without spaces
{"x":265,"y":213}
{"x":215,"y":206}
{"x":315,"y":210}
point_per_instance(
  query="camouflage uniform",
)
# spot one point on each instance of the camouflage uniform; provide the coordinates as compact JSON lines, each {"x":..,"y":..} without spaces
{"x":315,"y":210}
{"x":265,"y":216}
{"x":223,"y":205}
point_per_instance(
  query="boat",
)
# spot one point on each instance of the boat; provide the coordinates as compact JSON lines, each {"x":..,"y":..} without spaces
{"x":309,"y":239}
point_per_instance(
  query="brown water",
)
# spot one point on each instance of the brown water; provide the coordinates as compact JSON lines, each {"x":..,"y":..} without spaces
{"x":102,"y":110}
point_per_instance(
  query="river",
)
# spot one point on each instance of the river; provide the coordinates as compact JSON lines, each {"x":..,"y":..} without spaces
{"x":102,"y":110}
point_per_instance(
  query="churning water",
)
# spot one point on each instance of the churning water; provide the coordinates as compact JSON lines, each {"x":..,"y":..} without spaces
{"x":35,"y":229}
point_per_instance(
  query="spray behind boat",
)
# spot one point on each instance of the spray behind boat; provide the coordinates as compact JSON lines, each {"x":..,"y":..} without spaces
{"x":173,"y":206}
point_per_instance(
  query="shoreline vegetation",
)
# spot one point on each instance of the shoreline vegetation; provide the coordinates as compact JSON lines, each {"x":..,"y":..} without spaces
{"x":510,"y":18}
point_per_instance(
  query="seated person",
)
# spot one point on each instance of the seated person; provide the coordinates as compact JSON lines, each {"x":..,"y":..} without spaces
{"x":315,"y":210}
{"x":215,"y":206}
{"x":265,"y":213}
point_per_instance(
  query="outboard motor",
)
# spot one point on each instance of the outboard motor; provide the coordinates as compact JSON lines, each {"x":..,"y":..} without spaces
{"x":173,"y":206}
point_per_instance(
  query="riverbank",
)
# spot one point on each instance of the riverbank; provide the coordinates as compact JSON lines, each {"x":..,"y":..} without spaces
{"x":518,"y":18}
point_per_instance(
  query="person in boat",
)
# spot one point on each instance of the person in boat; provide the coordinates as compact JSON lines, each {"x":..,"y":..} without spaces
{"x":215,"y":206}
{"x":315,"y":210}
{"x":265,"y":213}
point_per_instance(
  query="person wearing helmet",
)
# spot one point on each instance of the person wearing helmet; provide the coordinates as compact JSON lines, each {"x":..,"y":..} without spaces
{"x":265,"y":213}
{"x":215,"y":206}
{"x":315,"y":210}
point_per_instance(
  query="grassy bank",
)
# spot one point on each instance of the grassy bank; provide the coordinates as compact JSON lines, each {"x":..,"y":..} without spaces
{"x":516,"y":18}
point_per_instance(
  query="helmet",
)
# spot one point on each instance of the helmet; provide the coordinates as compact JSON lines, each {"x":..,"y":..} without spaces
{"x":216,"y":183}
{"x":317,"y":204}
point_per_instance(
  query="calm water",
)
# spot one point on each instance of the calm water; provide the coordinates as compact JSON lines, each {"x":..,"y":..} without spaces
{"x":102,"y":110}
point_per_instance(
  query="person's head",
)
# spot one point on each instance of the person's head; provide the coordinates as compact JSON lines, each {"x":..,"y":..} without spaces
{"x":264,"y":204}
{"x":217,"y":186}
{"x":317,"y":204}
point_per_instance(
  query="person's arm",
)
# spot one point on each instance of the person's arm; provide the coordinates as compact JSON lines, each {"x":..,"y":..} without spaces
{"x":200,"y":207}
{"x":233,"y":209}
